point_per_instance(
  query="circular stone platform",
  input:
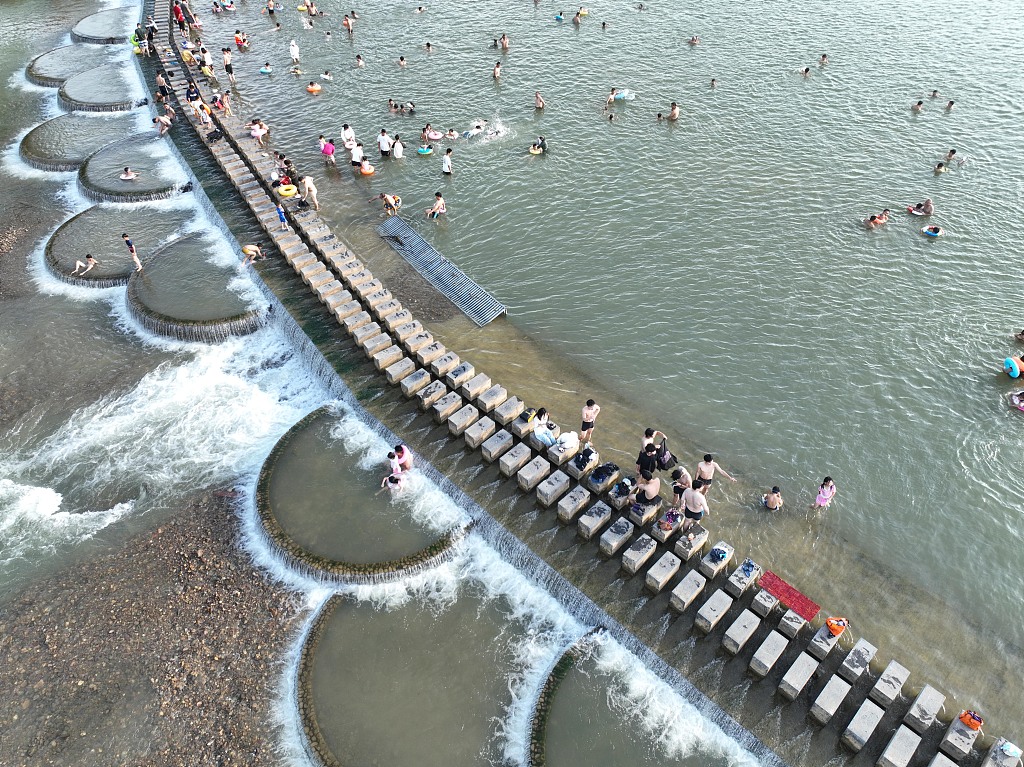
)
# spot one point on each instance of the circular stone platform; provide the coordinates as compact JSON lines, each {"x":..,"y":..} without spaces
{"x":113,"y":25}
{"x":160,"y":175}
{"x":98,"y":231}
{"x":180,"y":294}
{"x":106,"y":88}
{"x":65,"y":142}
{"x":325,"y":511}
{"x":53,"y":68}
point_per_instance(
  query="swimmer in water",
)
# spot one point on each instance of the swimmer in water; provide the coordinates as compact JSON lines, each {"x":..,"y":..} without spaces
{"x":951,"y":155}
{"x":401,"y":61}
{"x":494,"y":43}
{"x":129,"y":174}
{"x":327,"y":35}
{"x":714,"y":83}
{"x":327,"y":76}
{"x":89,"y":263}
{"x":604,"y":25}
{"x":883,"y":217}
{"x":503,"y":41}
{"x":392,"y":106}
{"x":538,"y":100}
{"x":438,"y":208}
{"x":641,"y":7}
{"x":451,"y":134}
{"x":949,"y":106}
{"x":673,"y":112}
{"x":496,"y":72}
{"x":823,"y":60}
{"x":872,"y":222}
{"x":420,"y":9}
{"x":695,"y":40}
{"x":353,"y":14}
{"x":659,"y":117}
{"x":359,"y":61}
{"x":347,"y":25}
{"x":577,"y":19}
{"x":918,"y":107}
{"x":611,"y":97}
{"x":940,"y":168}
{"x":935,"y":94}
{"x":611,"y":118}
{"x":927,"y":207}
{"x":428,"y":48}
{"x":806,"y":72}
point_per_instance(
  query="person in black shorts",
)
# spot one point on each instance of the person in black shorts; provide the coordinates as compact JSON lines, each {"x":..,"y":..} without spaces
{"x":648,"y":459}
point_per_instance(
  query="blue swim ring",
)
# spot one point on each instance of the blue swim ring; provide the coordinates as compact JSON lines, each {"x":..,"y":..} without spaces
{"x":1011,"y":368}
{"x":265,"y":71}
{"x":425,"y":150}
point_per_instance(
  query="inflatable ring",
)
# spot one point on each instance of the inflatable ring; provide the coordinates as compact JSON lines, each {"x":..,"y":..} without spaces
{"x":287,"y":190}
{"x":398,"y":202}
{"x":534,"y":150}
{"x":584,"y":12}
{"x":435,"y":135}
{"x":265,"y":71}
{"x":350,"y":144}
{"x":1011,"y":368}
{"x":926,"y":231}
{"x":314,"y":88}
{"x":1017,"y":400}
{"x":914,"y":211}
{"x":300,"y":7}
{"x":424,"y":150}
{"x":136,"y":50}
{"x":368,"y":170}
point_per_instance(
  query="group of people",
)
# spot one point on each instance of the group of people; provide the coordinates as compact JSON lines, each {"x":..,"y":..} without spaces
{"x":400,"y":463}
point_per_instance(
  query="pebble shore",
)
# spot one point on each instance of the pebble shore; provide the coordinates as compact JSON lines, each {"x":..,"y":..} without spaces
{"x":164,"y":652}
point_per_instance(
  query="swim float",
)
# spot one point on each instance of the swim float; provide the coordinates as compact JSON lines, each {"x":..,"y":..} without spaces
{"x":367,"y":170}
{"x":266,"y":71}
{"x":625,"y":95}
{"x":434,"y":135}
{"x":559,"y":17}
{"x":300,"y":7}
{"x":535,"y":150}
{"x":926,"y":231}
{"x":287,"y":190}
{"x":350,"y":144}
{"x":1011,"y":366}
{"x":584,"y":11}
{"x":914,"y":211}
{"x":425,"y":150}
{"x":136,"y":50}
{"x":314,"y":88}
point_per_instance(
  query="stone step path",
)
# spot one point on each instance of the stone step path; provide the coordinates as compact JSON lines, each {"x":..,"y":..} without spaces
{"x":487,"y":418}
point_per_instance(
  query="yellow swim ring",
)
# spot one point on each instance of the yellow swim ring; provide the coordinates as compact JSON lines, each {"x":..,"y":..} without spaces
{"x":287,"y":190}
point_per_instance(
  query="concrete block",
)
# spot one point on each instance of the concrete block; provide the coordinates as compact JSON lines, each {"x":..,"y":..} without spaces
{"x":739,"y":633}
{"x":829,"y":700}
{"x":310,"y":271}
{"x":358,"y":278}
{"x":416,"y":342}
{"x":478,"y":432}
{"x":386,"y":309}
{"x":711,"y":569}
{"x":598,"y":488}
{"x":476,"y":386}
{"x":364,"y":333}
{"x":552,"y":488}
{"x":618,"y":501}
{"x":407,"y":330}
{"x":387,"y":356}
{"x":413,"y":382}
{"x":638,"y":554}
{"x":514,"y":459}
{"x":593,"y":519}
{"x":791,"y":624}
{"x":742,"y":578}
{"x":329,"y":288}
{"x":572,"y":504}
{"x":712,"y":611}
{"x":687,"y":590}
{"x":356,"y":321}
{"x":462,"y":419}
{"x":444,"y":364}
{"x":857,"y":661}
{"x":345,"y":266}
{"x":521,"y":428}
{"x":399,"y":370}
{"x":574,"y":470}
{"x":822,"y":643}
{"x":300,"y":259}
{"x":317,"y":281}
{"x":925,"y":708}
{"x":996,"y":757}
{"x":958,"y":740}
{"x":560,"y":455}
{"x":662,"y":572}
{"x":491,"y":398}
{"x":376,"y":343}
{"x":941,"y":760}
{"x":798,"y":676}
{"x":691,"y":542}
{"x":365,"y":289}
{"x":901,"y":748}
{"x":646,"y":514}
{"x":508,"y":410}
{"x":534,"y":441}
{"x":496,"y":446}
{"x":428,"y":354}
{"x":392,"y":321}
{"x":768,"y":654}
{"x":346,"y":310}
{"x":334,"y":300}
{"x":532,"y":473}
{"x":666,"y":526}
{"x":378,"y":297}
{"x":431,"y":393}
{"x":764,"y":603}
{"x":863,"y":724}
{"x":459,"y":375}
{"x":889,"y":684}
{"x":616,"y":536}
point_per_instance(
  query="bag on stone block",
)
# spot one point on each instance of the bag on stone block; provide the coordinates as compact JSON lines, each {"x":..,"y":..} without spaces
{"x":215,"y":135}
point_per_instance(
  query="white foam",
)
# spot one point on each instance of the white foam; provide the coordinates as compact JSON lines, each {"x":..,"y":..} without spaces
{"x":15,"y":166}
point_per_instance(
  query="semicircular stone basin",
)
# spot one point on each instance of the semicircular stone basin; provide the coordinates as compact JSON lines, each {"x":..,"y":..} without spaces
{"x":105,"y":88}
{"x":54,"y":67}
{"x":97,"y":230}
{"x":159,"y":175}
{"x":65,"y":142}
{"x":608,"y":719}
{"x":113,"y":25}
{"x":183,"y":294}
{"x":416,"y":686}
{"x":323,"y":508}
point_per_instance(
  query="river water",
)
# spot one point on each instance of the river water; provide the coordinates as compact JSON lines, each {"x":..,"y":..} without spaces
{"x":713,"y":270}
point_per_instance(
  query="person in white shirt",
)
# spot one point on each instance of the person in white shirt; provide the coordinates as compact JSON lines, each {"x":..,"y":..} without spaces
{"x":398,"y":148}
{"x":357,"y":155}
{"x":384,"y":143}
{"x":446,"y":162}
{"x":347,"y":134}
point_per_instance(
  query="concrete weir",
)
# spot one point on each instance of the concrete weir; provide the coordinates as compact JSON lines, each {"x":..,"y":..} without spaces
{"x":430,"y":372}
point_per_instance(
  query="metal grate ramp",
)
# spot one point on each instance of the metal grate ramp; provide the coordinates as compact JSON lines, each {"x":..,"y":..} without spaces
{"x":477,"y":304}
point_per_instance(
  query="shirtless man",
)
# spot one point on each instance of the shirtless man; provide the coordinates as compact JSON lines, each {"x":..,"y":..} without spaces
{"x":706,"y":471}
{"x":773,"y":500}
{"x":438,"y":207}
{"x":928,"y":207}
{"x":503,"y":41}
{"x":538,"y":100}
{"x":252,"y":252}
{"x":590,"y":412}
{"x":673,"y":112}
{"x":132,"y":252}
{"x":650,"y":436}
{"x":496,"y":72}
{"x":391,"y":203}
{"x":647,"y":489}
{"x":309,"y":191}
{"x":162,"y":123}
{"x":89,"y":263}
{"x":918,"y":107}
{"x":695,"y":505}
{"x":404,"y":455}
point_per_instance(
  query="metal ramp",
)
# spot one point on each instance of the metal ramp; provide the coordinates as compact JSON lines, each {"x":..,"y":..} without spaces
{"x":477,"y":304}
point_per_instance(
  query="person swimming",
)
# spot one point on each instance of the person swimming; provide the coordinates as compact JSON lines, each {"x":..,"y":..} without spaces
{"x":918,"y":107}
{"x":129,"y":174}
{"x":823,"y":60}
{"x":940,"y":168}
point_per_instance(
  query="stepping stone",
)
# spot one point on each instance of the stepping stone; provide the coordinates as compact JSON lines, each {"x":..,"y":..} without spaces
{"x":399,"y":370}
{"x":417,"y":341}
{"x":532,"y":473}
{"x":386,"y":309}
{"x":687,"y":590}
{"x":599,"y":488}
{"x":535,"y":443}
{"x":662,"y":572}
{"x":791,"y":624}
{"x":428,"y":354}
{"x":710,"y":568}
{"x":514,"y":459}
{"x":768,"y":654}
{"x":572,"y":504}
{"x":616,"y":536}
{"x":889,"y":684}
{"x":863,"y":724}
{"x":387,"y":357}
{"x":478,"y":432}
{"x":958,"y":740}
{"x":829,"y":700}
{"x":740,"y":632}
{"x":508,"y":410}
{"x":476,"y":386}
{"x":491,"y":398}
{"x":686,"y":547}
{"x":520,"y":428}
{"x":662,"y":535}
{"x":901,"y":748}
{"x":559,"y":456}
{"x":941,"y":760}
{"x":379,"y":297}
{"x":363,"y":334}
{"x":356,"y":321}
{"x":358,"y":278}
{"x":764,"y":603}
{"x":996,"y":757}
{"x":712,"y":611}
{"x":459,"y":375}
{"x":462,"y":419}
{"x":328,"y":289}
{"x":397,"y":319}
{"x":576,"y":472}
{"x":496,"y":446}
{"x":925,"y":708}
{"x":742,"y":579}
{"x":552,"y":488}
{"x":638,"y":554}
{"x":347,"y":310}
{"x":444,"y":364}
{"x":365,"y":290}
{"x":376,"y":343}
{"x":446,"y":407}
{"x":618,"y":502}
{"x":334,"y":300}
{"x":413,"y":382}
{"x":822,"y":643}
{"x":798,"y":676}
{"x":646,"y":514}
{"x":857,"y":661}
{"x":593,"y":519}
{"x":407,"y":330}
{"x":431,"y":393}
